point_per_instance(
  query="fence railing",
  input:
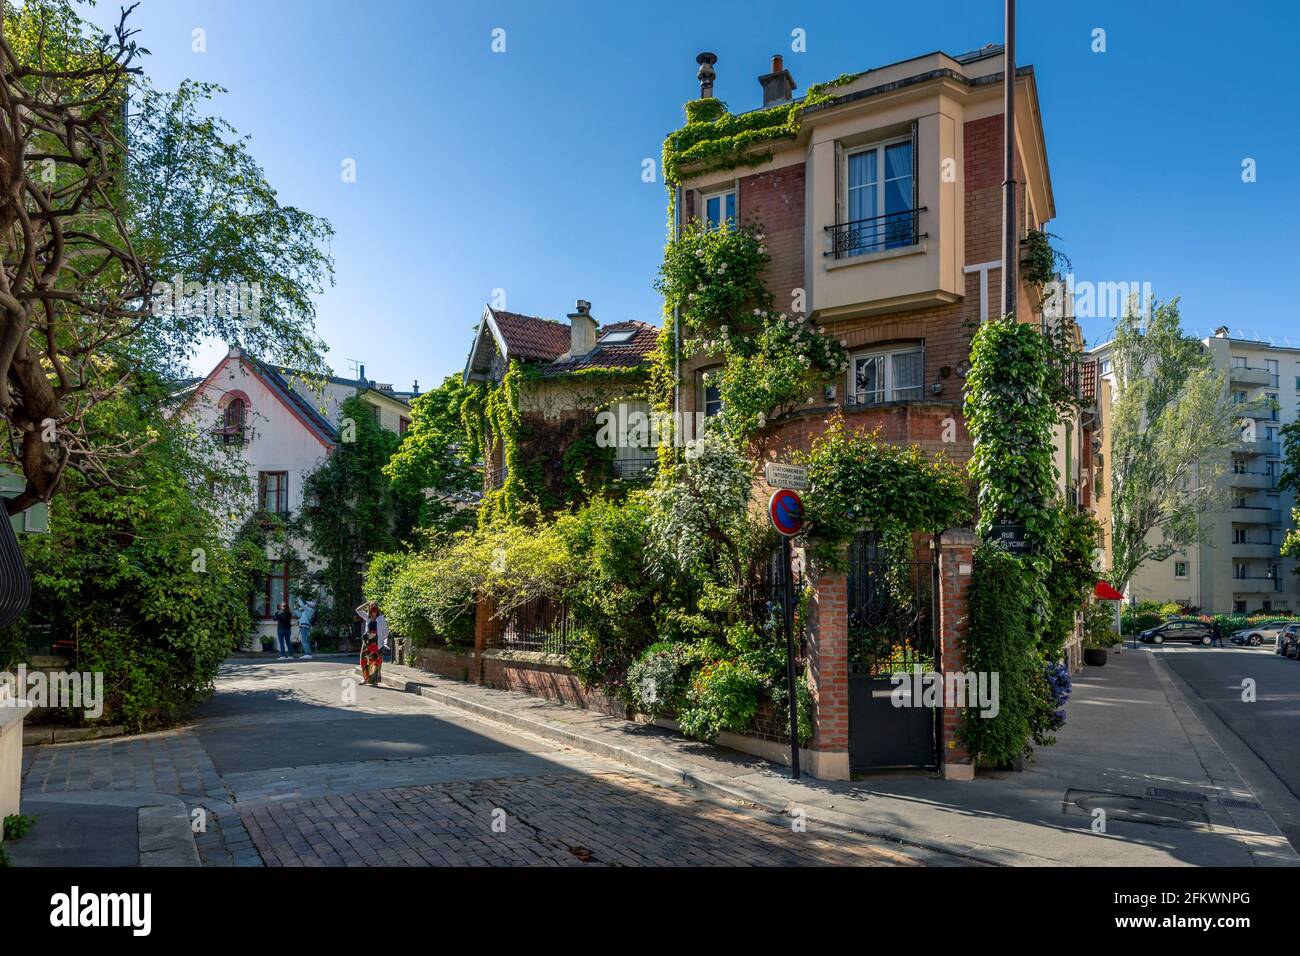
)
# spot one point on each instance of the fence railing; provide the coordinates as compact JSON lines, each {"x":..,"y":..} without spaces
{"x":537,"y":625}
{"x":893,"y":230}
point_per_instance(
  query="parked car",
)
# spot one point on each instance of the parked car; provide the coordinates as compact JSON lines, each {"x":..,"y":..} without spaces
{"x":1197,"y":632}
{"x":1264,"y":632}
{"x":1288,"y":641}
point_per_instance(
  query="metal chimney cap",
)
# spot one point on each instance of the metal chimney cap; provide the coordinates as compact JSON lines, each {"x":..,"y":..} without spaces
{"x":706,"y":59}
{"x":583,"y":306}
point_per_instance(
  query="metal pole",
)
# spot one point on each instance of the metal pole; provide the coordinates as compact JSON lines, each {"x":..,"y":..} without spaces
{"x":678,"y":418}
{"x":1010,"y":239}
{"x":788,"y":588}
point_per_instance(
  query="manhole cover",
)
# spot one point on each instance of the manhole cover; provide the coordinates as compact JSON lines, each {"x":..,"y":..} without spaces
{"x":1133,"y":809}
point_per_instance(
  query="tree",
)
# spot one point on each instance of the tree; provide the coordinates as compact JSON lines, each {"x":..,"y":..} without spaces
{"x":140,"y":577}
{"x":1171,"y":428}
{"x":1290,"y":481}
{"x":355,"y":510}
{"x":436,"y":458}
{"x":132,"y":228}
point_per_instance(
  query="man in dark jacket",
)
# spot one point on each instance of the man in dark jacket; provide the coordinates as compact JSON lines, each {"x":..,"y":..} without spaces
{"x":283,"y":629}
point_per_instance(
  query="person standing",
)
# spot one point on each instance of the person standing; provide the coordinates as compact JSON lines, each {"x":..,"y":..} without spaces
{"x":1216,"y":633}
{"x":306,"y":615}
{"x":283,"y":630}
{"x":374,"y":641}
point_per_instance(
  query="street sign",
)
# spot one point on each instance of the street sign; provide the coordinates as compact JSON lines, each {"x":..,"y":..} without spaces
{"x":1011,"y":538}
{"x":786,"y":476}
{"x":786,"y":511}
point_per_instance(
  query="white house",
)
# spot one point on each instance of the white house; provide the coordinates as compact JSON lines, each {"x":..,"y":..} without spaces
{"x":284,"y":425}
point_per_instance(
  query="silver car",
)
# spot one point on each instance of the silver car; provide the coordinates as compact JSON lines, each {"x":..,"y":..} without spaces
{"x":1265,"y":632}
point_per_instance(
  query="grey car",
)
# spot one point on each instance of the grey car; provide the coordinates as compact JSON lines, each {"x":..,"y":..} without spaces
{"x":1265,"y":632}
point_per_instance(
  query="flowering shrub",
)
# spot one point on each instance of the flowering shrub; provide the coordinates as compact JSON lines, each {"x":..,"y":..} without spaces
{"x":724,"y":696}
{"x":658,"y":681}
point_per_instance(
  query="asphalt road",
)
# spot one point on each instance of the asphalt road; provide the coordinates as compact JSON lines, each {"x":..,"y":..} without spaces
{"x":1261,"y":736}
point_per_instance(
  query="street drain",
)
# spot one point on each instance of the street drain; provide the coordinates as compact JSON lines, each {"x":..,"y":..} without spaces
{"x":1239,"y":804}
{"x":1129,"y":808}
{"x":1186,"y":796}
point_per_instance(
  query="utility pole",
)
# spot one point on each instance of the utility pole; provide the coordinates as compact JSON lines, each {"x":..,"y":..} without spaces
{"x":1010,"y":239}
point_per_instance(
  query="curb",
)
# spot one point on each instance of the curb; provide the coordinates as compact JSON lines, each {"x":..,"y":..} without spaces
{"x":163,"y":832}
{"x":713,"y":787}
{"x":39,"y":736}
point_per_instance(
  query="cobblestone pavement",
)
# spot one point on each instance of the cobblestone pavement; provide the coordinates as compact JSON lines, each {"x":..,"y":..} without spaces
{"x":605,"y":819}
{"x":281,"y":769}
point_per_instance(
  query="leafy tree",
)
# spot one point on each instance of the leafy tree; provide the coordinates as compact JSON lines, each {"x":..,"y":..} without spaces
{"x":1290,"y":481}
{"x":1172,"y":425}
{"x":435,"y":459}
{"x":355,"y":511}
{"x":114,"y":191}
{"x":140,"y":577}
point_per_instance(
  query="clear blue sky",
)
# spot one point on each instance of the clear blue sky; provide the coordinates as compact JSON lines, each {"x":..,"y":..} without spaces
{"x":522,"y":170}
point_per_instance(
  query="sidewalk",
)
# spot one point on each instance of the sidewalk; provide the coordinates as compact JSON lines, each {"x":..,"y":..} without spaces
{"x":1132,"y":749}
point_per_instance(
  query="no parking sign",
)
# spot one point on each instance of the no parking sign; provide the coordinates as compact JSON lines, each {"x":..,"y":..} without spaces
{"x":786,"y":511}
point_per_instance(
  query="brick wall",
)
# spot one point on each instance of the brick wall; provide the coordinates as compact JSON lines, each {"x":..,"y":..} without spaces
{"x":955,"y":563}
{"x":776,"y":200}
{"x":536,"y":675}
{"x":457,"y":664}
{"x":828,"y":660}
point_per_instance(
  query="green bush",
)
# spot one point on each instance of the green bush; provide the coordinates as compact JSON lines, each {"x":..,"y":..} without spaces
{"x":724,"y":696}
{"x":1099,"y":625}
{"x":1000,"y":640}
{"x":659,"y":680}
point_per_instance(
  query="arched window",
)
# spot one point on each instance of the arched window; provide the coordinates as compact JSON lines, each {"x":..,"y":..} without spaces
{"x":232,"y":423}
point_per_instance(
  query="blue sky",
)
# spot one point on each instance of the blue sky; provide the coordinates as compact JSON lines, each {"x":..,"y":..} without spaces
{"x":522,"y":170}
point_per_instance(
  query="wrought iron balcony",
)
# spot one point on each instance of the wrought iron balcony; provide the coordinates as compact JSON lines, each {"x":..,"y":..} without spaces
{"x":893,"y":230}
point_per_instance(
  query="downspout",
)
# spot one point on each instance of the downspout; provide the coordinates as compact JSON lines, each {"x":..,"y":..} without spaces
{"x":677,"y":338}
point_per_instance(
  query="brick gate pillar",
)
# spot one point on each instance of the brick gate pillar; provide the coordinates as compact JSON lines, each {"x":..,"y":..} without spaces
{"x":483,"y":629}
{"x":828,"y":665}
{"x":956,"y":550}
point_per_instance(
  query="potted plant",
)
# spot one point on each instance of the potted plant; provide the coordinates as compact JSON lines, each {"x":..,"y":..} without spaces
{"x":268,"y":644}
{"x":1098,"y":635}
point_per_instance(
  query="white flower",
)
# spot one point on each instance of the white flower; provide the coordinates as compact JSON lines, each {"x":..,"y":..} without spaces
{"x":724,"y":330}
{"x":691,"y":297}
{"x":844,"y":343}
{"x":762,"y":250}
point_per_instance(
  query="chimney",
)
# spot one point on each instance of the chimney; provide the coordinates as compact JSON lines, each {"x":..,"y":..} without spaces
{"x":361,"y":374}
{"x":1221,"y":332}
{"x":778,"y":86}
{"x":706,"y":76}
{"x":582,"y":330}
{"x":415,"y":388}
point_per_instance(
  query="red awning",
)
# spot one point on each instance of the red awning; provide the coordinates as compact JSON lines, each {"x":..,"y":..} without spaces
{"x":1107,"y":593}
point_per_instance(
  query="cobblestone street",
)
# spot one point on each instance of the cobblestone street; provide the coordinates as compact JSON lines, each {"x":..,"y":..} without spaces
{"x":280,"y":769}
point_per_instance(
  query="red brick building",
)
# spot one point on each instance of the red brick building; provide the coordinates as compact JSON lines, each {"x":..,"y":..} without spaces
{"x":883,"y":220}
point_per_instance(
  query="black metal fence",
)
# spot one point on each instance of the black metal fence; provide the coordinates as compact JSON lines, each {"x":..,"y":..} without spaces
{"x":537,"y":625}
{"x":892,"y":611}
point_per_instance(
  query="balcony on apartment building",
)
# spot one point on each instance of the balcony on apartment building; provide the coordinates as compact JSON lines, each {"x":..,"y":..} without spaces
{"x":1255,"y":584}
{"x":1252,"y":480}
{"x":1256,"y":514}
{"x":1255,"y":548}
{"x":1257,"y":446}
{"x":1260,"y":411}
{"x":1246,"y":375}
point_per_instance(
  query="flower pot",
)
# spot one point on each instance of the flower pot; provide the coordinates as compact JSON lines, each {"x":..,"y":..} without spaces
{"x":1094,"y":656}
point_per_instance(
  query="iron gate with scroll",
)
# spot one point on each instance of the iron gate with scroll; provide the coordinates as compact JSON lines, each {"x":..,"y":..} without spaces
{"x":892,"y":615}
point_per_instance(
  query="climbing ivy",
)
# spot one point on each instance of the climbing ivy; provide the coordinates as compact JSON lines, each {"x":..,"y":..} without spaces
{"x":714,"y":139}
{"x":858,"y":481}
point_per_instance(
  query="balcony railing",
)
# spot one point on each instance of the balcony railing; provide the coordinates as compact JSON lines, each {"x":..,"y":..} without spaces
{"x":634,"y":467}
{"x":893,"y":230}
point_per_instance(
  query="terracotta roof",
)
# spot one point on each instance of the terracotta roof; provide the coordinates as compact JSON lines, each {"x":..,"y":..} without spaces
{"x":528,"y":337}
{"x":630,"y":354}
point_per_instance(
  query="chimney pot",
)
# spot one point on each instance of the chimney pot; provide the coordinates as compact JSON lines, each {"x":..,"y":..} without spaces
{"x":778,"y":86}
{"x":706,"y":74}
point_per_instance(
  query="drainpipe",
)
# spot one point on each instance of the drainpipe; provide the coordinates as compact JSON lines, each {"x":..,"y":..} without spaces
{"x":1010,"y":240}
{"x":677,"y":339}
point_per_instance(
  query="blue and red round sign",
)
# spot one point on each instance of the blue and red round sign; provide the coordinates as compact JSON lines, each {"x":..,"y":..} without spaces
{"x":786,"y":511}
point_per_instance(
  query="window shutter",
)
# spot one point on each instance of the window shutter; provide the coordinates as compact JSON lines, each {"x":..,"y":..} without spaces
{"x":839,"y":183}
{"x":915,"y":167}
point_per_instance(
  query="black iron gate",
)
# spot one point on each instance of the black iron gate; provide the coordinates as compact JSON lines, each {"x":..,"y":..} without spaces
{"x":892,"y":630}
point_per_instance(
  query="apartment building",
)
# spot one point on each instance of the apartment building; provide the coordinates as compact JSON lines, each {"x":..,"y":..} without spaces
{"x":1238,"y":567}
{"x":883,"y":218}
